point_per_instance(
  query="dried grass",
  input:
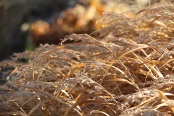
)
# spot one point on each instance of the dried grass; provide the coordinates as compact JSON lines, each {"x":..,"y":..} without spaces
{"x":124,"y":69}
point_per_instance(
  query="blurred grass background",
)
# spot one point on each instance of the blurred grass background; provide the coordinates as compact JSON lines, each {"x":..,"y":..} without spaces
{"x":25,"y":24}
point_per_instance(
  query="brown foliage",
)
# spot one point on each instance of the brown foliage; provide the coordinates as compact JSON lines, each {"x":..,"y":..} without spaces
{"x":78,"y":19}
{"x":124,"y":69}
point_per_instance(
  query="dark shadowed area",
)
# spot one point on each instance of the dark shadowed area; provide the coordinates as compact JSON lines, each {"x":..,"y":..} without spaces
{"x":15,"y":14}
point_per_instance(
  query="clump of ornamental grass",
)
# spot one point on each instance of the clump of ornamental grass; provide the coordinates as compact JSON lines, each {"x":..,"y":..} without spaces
{"x":126,"y":68}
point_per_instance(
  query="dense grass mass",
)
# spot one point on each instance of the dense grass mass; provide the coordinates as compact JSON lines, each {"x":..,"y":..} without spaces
{"x":125,"y":69}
